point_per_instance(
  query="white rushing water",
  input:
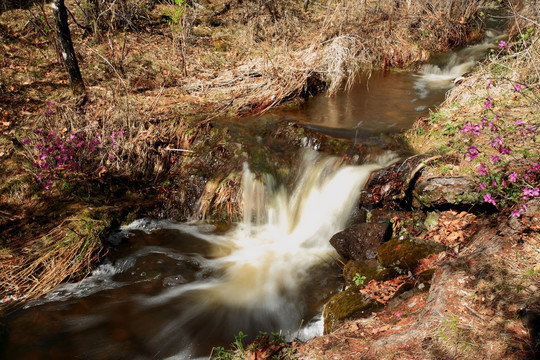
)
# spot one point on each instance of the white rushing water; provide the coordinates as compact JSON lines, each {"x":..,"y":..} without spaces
{"x":284,"y":234}
{"x":457,"y":64}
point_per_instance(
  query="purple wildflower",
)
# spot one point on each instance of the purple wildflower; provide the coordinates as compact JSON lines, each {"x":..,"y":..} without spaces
{"x":472,"y":152}
{"x":516,"y":213}
{"x":497,"y":141}
{"x":483,"y":186}
{"x":519,"y":87}
{"x":489,"y":199}
{"x":488,"y":104}
{"x":505,"y":150}
{"x":504,"y":45}
{"x":513,"y":177}
{"x":483,"y":169}
{"x":495,"y":158}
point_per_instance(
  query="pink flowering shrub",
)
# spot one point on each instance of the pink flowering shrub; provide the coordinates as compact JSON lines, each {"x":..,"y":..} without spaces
{"x":498,"y":186}
{"x":64,"y":156}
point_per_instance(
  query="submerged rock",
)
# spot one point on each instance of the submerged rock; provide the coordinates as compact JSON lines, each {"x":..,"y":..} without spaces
{"x":360,"y":241}
{"x":346,"y":304}
{"x":406,"y":254}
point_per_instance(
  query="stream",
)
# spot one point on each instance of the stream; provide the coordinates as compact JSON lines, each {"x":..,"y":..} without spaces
{"x":175,"y":290}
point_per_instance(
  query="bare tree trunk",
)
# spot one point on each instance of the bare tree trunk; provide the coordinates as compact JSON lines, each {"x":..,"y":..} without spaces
{"x":66,"y":45}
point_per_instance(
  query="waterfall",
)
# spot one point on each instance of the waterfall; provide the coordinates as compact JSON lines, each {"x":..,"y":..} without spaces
{"x":266,"y":261}
{"x":284,"y":233}
{"x":455,"y":64}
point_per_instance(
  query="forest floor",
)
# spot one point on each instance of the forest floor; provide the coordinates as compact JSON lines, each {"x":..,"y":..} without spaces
{"x":160,"y":76}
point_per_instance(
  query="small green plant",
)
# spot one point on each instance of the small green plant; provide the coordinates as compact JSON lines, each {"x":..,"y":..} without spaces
{"x":262,"y":341}
{"x":177,"y":13}
{"x":238,"y":341}
{"x":359,"y":279}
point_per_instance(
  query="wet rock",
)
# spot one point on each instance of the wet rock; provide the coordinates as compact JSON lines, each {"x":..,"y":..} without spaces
{"x":346,"y":304}
{"x":364,"y":268}
{"x":360,"y":241}
{"x":406,"y":254}
{"x":435,"y":191}
{"x":390,"y":186}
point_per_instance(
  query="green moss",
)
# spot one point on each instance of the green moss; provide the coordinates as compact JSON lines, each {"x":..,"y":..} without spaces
{"x":468,"y":198}
{"x":406,"y":254}
{"x":345,"y":304}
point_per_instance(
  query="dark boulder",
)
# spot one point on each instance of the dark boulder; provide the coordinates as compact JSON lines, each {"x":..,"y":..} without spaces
{"x":360,"y":241}
{"x":390,"y":186}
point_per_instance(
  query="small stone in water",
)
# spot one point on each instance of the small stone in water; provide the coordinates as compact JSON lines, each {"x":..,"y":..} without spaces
{"x":174,"y":280}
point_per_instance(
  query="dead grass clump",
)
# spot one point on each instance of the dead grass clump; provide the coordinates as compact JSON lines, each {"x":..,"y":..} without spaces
{"x":220,"y":200}
{"x":66,"y":252}
{"x":266,"y":81}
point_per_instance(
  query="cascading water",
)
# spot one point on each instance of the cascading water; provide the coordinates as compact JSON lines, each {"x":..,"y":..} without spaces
{"x":181,"y":288}
{"x":445,"y":70}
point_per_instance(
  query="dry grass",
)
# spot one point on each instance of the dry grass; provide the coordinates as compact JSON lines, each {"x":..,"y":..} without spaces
{"x":66,"y":252}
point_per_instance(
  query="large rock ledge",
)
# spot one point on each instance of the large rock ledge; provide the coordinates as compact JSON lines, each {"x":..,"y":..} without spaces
{"x":412,"y":184}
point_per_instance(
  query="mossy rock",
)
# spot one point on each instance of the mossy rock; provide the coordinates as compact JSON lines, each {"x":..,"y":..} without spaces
{"x":434,"y":191}
{"x":347,"y":304}
{"x":366,"y":268}
{"x":406,"y":254}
